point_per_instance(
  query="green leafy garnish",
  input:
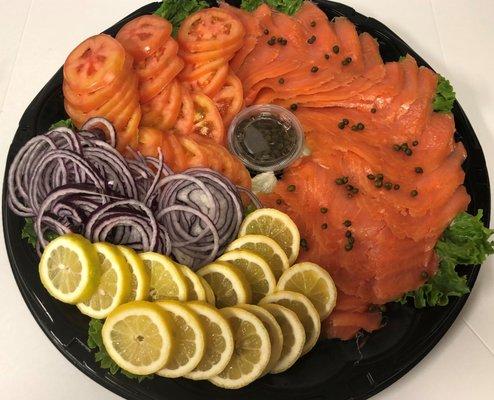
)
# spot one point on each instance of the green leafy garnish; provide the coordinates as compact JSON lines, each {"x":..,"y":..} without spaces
{"x":95,"y":342}
{"x":65,"y":123}
{"x":445,"y":96}
{"x":465,"y":242}
{"x":175,"y":11}
{"x":29,"y":233}
{"x":289,"y":7}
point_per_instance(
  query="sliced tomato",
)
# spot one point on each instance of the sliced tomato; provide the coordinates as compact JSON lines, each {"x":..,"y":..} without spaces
{"x":162,"y":111}
{"x":230,"y":98}
{"x":195,"y":154}
{"x":212,"y":82}
{"x":224,"y":53}
{"x":195,"y":71}
{"x":185,"y":120}
{"x":207,"y":119}
{"x":149,"y":141}
{"x":179,"y":155}
{"x":158,"y":61}
{"x":210,"y":29}
{"x":152,"y":86}
{"x":143,"y":36}
{"x":89,"y":101}
{"x":128,"y":134}
{"x":121,"y":119}
{"x":117,"y":106}
{"x":94,"y":64}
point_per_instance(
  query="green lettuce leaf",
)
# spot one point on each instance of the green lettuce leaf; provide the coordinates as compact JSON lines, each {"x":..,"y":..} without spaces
{"x":445,"y":96}
{"x":66,"y":123}
{"x":289,"y":7}
{"x":95,"y":342}
{"x":29,"y":233}
{"x":175,"y":11}
{"x":465,"y":242}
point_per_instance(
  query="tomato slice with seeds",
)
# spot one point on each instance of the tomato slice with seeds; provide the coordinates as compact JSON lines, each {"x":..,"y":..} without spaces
{"x":158,"y":61}
{"x":88,"y":101}
{"x":211,"y":82}
{"x":210,"y":29}
{"x":153,"y":86}
{"x":230,"y":98}
{"x":207,"y":119}
{"x":144,"y":36}
{"x":185,"y":120}
{"x":162,"y":111}
{"x":94,"y":64}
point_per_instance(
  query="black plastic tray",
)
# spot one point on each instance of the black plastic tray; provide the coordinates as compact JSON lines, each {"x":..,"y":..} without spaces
{"x":334,"y":369}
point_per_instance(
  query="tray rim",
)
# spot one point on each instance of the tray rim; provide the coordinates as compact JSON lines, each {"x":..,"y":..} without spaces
{"x":32,"y":302}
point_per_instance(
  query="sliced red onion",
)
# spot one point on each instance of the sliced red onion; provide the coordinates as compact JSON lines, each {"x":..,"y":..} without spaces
{"x":78,"y":182}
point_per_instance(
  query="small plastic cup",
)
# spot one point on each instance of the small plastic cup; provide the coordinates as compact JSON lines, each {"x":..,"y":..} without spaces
{"x":281,"y":114}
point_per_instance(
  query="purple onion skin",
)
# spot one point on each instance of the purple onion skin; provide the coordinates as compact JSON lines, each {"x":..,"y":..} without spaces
{"x":78,"y":182}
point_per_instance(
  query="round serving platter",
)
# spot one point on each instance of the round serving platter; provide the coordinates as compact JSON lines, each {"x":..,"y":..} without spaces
{"x":335,"y":369}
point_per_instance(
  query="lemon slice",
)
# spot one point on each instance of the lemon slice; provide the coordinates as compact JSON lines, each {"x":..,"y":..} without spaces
{"x":275,"y":225}
{"x":69,"y":268}
{"x":188,"y":339}
{"x":252,"y":350}
{"x":138,"y":337}
{"x":210,"y":298}
{"x":219,"y":341}
{"x":167,"y":282}
{"x":139,"y":284}
{"x":274,"y":331}
{"x":293,"y":336}
{"x":255,"y":269}
{"x":265,"y":247}
{"x":313,"y":282}
{"x":114,"y":285}
{"x":195,"y":288}
{"x":306,"y":313}
{"x":229,"y":284}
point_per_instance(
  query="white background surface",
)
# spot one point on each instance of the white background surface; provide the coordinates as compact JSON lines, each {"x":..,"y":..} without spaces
{"x":455,"y":36}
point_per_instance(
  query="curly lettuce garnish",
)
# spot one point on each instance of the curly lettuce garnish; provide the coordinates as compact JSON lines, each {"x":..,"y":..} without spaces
{"x":289,"y":7}
{"x":465,"y":242}
{"x":445,"y":96}
{"x":95,"y":342}
{"x":175,"y":11}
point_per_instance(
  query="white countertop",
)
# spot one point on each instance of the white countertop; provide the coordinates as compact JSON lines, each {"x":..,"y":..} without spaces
{"x":454,"y":36}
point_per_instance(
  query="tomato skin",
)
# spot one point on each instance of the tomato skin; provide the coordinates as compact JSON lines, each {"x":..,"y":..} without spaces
{"x":145,"y":35}
{"x":154,"y":85}
{"x":230,"y":98}
{"x":94,"y":64}
{"x":207,"y":119}
{"x":210,"y":29}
